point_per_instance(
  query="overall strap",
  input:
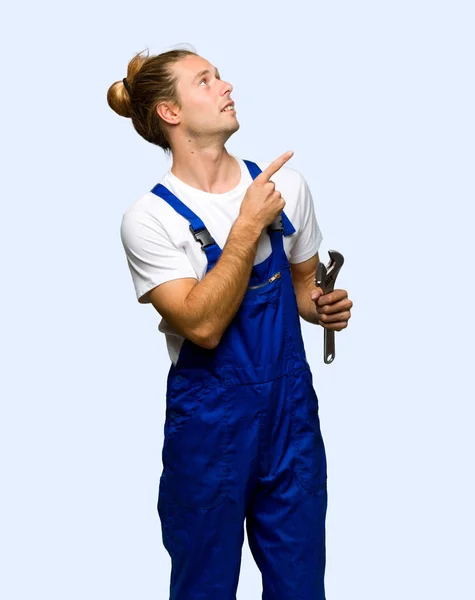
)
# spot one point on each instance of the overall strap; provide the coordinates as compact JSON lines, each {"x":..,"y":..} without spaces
{"x":197,"y":227}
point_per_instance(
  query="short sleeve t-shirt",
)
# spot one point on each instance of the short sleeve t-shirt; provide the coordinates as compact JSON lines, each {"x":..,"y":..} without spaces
{"x":160,"y":247}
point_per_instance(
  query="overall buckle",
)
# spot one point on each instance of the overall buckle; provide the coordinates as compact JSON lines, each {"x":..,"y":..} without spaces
{"x":276,"y":225}
{"x":203,"y":237}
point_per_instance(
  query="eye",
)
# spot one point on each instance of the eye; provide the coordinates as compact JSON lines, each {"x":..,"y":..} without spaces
{"x":204,"y":79}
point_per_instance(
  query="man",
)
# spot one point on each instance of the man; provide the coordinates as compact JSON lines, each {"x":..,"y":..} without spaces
{"x":209,"y":248}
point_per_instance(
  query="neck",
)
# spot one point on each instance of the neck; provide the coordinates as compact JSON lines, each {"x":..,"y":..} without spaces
{"x":210,"y":170}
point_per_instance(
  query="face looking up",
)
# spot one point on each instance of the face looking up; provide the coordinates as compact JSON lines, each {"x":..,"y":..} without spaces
{"x":203,"y":96}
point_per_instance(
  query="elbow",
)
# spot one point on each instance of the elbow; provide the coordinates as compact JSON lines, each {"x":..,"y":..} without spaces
{"x":210,"y":343}
{"x":206,"y":339}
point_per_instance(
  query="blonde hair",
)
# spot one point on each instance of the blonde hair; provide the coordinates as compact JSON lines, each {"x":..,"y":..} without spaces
{"x":151,"y":81}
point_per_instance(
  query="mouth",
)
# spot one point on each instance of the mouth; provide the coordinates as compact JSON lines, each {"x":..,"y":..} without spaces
{"x":229,"y":108}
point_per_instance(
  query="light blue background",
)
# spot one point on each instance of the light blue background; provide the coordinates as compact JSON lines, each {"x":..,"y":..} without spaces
{"x":376,"y":100}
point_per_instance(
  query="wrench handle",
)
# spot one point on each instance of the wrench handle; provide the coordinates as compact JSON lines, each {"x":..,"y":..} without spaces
{"x":328,"y":345}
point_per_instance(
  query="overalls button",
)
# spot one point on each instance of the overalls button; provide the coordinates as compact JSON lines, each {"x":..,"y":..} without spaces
{"x":178,"y":378}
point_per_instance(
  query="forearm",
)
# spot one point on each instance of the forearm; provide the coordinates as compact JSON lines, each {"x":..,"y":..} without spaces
{"x":215,"y":300}
{"x":306,"y":306}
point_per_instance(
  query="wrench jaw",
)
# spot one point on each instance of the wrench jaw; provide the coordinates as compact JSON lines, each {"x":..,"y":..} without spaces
{"x":325,"y":277}
{"x":337,"y":258}
{"x":333,"y":268}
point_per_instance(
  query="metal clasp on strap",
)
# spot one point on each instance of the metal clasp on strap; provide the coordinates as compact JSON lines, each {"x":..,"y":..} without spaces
{"x":202,"y":236}
{"x":276,"y":225}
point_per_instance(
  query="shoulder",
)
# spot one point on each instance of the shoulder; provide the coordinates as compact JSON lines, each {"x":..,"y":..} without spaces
{"x":149,"y":210}
{"x":145,"y":221}
{"x":139,"y":212}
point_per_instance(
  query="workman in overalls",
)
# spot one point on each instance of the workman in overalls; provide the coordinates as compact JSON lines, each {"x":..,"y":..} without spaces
{"x":209,"y":248}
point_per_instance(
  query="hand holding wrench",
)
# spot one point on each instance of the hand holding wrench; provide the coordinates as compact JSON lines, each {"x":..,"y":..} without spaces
{"x":325,"y":278}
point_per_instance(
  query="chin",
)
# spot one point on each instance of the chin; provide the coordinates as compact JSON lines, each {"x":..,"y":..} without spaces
{"x":234,"y":126}
{"x":226,"y":132}
{"x":229,"y":132}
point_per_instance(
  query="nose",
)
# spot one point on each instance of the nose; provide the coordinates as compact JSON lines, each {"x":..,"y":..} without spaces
{"x":227,"y":87}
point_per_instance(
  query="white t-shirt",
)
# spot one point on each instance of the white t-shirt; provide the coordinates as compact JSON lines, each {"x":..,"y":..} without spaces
{"x":159,"y":245}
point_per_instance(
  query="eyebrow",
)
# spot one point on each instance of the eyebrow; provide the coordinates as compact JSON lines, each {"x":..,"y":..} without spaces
{"x":205,"y":72}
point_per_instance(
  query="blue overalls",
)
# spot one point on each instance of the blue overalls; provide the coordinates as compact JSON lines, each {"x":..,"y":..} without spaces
{"x":242,"y":443}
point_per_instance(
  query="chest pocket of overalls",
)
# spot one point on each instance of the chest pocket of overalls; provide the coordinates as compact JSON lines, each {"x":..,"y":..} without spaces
{"x":264,"y":292}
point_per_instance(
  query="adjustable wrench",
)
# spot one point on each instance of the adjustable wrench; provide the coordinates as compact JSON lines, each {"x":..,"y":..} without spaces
{"x":325,"y":278}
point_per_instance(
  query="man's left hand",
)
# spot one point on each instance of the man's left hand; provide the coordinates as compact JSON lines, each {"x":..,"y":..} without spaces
{"x":334,"y":308}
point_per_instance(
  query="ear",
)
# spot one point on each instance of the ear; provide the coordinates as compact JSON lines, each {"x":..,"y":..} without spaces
{"x":169,"y":112}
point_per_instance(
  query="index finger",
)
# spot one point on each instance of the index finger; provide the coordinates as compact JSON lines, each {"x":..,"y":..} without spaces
{"x":275,"y":166}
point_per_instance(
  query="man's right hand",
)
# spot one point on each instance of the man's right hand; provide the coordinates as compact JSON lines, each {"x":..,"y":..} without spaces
{"x":262,"y":203}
